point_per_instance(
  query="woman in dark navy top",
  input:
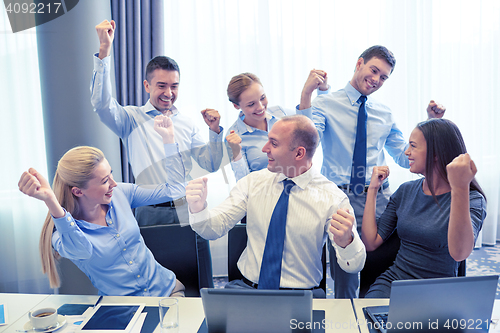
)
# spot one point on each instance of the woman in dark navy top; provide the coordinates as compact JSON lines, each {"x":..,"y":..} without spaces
{"x":438,"y":217}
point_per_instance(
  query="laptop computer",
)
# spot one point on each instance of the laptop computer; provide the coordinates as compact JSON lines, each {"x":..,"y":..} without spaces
{"x":257,"y":311}
{"x":454,"y":304}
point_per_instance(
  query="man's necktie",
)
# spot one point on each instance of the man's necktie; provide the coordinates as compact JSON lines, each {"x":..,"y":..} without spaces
{"x":270,"y":269}
{"x":358,"y":173}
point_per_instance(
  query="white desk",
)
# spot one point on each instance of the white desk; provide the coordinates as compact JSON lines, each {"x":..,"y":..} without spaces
{"x":18,"y":306}
{"x":339,"y":314}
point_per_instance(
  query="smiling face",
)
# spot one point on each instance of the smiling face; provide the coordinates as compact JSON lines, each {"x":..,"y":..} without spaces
{"x":370,"y":76}
{"x":417,"y":152}
{"x":253,"y":103}
{"x":99,"y":189}
{"x":281,"y":158}
{"x":162,"y":88}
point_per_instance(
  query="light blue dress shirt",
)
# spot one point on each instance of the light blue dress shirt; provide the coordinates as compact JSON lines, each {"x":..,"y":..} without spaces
{"x":335,"y":117}
{"x":135,"y":126}
{"x":115,"y":257}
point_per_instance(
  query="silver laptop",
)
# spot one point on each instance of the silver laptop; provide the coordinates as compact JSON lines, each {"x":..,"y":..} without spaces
{"x":457,"y":304}
{"x":257,"y":311}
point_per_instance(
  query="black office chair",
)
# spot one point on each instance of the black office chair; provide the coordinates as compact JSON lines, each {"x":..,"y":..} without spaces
{"x":73,"y":280}
{"x":236,"y":243}
{"x":462,"y":268}
{"x":381,"y":259}
{"x":174,"y":247}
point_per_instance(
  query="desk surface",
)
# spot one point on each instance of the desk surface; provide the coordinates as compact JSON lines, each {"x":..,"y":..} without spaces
{"x":18,"y":306}
{"x":339,"y":314}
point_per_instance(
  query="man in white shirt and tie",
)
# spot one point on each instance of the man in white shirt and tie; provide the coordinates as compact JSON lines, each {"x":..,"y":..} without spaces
{"x":317,"y":209}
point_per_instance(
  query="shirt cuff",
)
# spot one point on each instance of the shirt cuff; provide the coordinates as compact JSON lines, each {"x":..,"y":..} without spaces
{"x":306,"y":112}
{"x":214,"y":137}
{"x":170,"y":149}
{"x":350,"y":251}
{"x":200,"y":216}
{"x":196,"y":218}
{"x":323,"y":92}
{"x":66,"y":223}
{"x":238,"y":165}
{"x":100,"y":65}
{"x":240,"y":168}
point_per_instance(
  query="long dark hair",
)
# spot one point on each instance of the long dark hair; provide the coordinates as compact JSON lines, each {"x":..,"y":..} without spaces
{"x":444,"y":143}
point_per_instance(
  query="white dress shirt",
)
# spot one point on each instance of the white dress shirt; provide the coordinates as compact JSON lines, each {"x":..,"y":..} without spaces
{"x":311,"y":204}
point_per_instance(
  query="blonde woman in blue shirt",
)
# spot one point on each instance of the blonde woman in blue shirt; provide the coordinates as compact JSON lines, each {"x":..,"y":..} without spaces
{"x":249,"y":133}
{"x":90,"y":221}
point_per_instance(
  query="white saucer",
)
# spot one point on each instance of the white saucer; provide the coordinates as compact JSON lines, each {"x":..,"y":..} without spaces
{"x":61,"y":321}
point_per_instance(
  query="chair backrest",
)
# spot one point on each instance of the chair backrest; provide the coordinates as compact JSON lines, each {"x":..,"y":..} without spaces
{"x":381,"y":259}
{"x":236,"y":243}
{"x":73,"y":280}
{"x":174,"y":247}
{"x":377,"y":262}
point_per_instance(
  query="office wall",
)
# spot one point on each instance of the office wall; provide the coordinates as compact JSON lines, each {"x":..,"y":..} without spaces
{"x":65,"y":49}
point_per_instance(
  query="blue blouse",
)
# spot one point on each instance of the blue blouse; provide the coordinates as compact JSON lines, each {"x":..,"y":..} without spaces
{"x":115,"y":257}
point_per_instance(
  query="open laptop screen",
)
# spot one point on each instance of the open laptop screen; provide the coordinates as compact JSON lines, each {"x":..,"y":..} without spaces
{"x":242,"y":310}
{"x":457,"y":304}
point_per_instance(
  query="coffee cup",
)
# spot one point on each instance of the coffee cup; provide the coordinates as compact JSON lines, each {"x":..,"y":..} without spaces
{"x":44,"y":318}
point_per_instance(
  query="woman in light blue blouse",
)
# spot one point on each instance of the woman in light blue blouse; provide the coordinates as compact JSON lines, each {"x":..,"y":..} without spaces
{"x":90,"y":221}
{"x":249,"y":133}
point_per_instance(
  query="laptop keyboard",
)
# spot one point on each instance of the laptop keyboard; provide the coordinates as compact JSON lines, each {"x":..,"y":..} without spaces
{"x":382,"y":319}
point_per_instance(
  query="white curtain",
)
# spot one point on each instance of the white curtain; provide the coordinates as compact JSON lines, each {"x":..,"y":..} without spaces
{"x":22,"y":146}
{"x":447,"y":50}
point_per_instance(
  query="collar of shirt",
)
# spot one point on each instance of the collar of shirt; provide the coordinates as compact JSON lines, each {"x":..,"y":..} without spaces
{"x":244,"y":128}
{"x":301,"y":180}
{"x":153,"y":112}
{"x":92,"y":226}
{"x":354,"y":95}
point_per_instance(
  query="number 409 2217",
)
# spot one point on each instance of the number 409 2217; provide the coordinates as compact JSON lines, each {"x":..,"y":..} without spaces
{"x":469,"y":324}
{"x":33,"y":8}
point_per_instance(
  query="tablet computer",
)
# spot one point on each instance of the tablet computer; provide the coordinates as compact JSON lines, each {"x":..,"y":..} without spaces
{"x":112,"y":318}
